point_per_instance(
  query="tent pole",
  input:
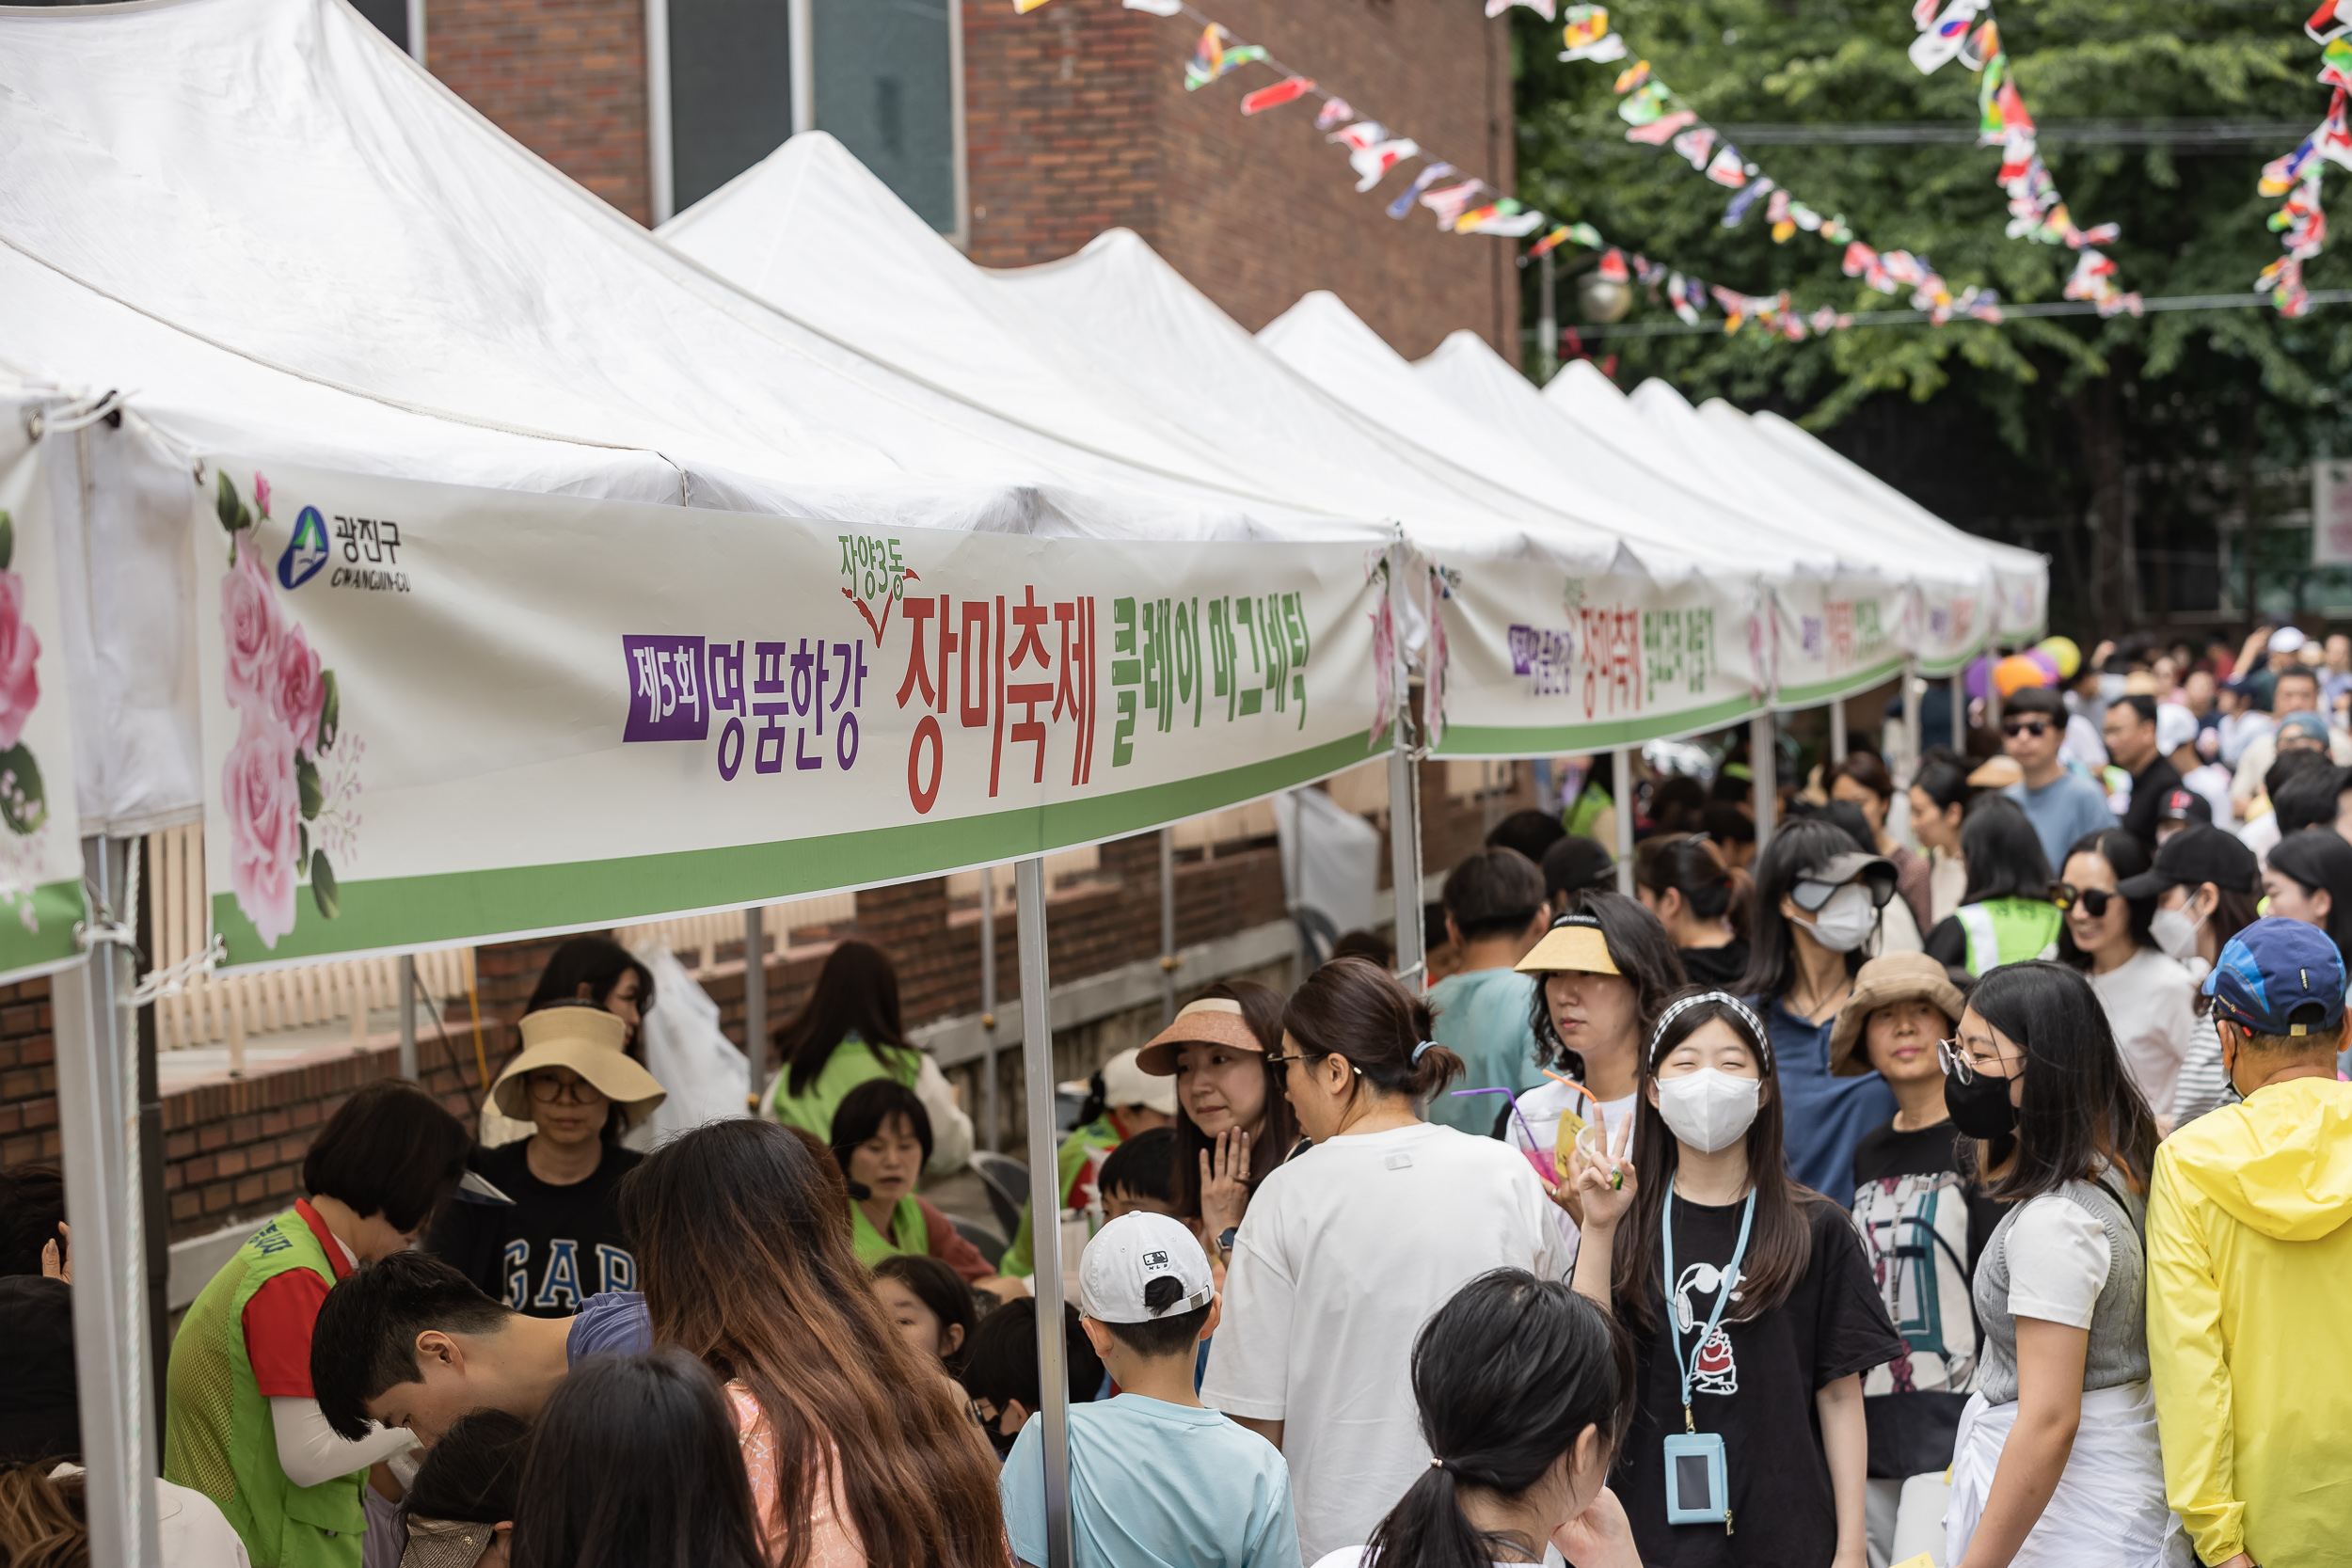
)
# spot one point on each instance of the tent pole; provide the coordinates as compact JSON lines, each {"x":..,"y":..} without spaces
{"x":1405,"y":846}
{"x":98,"y":1124}
{"x":1761,"y":764}
{"x":1037,"y":1069}
{"x":1960,"y":711}
{"x":409,"y":1016}
{"x":755,"y":990}
{"x":1838,"y":729}
{"x":1991,"y":688}
{"x":991,"y":1139}
{"x":1621,"y":773}
{"x":1168,"y":926}
{"x":1912,"y":738}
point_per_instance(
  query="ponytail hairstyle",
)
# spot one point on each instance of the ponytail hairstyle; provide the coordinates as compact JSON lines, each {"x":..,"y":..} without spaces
{"x":1507,"y":1376}
{"x":1351,"y":1008}
{"x":1693,"y":867}
{"x":1943,"y":777}
{"x":1781,"y":1248}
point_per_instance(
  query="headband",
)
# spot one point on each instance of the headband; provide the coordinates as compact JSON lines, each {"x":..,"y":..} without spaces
{"x":1746,"y":1015}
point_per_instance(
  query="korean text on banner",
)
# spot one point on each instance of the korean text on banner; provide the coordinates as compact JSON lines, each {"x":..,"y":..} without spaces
{"x":1839,"y":637}
{"x":40,"y":853}
{"x":434,"y":713}
{"x":1542,"y":663}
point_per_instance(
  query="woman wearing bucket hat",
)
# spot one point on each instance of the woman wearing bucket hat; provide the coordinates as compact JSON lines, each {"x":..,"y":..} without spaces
{"x":1923,"y":1222}
{"x":1234,"y":1124}
{"x":559,"y":1240}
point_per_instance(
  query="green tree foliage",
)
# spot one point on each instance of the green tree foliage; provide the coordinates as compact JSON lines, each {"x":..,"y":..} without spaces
{"x":2122,"y":446}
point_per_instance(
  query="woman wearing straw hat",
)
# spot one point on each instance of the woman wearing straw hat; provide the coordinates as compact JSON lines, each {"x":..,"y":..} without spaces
{"x":1234,"y":1125}
{"x":559,"y":1242}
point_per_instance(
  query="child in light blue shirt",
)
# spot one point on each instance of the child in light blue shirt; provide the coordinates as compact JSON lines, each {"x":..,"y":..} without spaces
{"x":1156,"y":1480}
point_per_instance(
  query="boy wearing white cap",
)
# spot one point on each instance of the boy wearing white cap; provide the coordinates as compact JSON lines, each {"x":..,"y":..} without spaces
{"x":1155,"y":1478}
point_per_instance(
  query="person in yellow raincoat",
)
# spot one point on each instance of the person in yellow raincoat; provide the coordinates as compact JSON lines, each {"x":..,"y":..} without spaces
{"x":2249,"y":1255}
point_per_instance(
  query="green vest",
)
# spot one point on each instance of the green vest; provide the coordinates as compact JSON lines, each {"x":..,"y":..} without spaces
{"x":1096,"y":1137}
{"x":1580,"y":816}
{"x":907,"y":1233}
{"x":2007,"y":931}
{"x":852,"y":1062}
{"x":217,"y":1436}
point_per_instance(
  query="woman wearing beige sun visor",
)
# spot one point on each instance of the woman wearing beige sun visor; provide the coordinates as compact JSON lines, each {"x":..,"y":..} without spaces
{"x":559,"y":1242}
{"x":1232,"y":1123}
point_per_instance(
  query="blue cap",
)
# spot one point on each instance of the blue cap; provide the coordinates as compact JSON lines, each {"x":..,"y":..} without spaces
{"x":2272,"y":968}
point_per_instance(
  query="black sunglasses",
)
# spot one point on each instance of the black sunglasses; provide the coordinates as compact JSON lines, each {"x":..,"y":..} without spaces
{"x":2094,"y":900}
{"x":2034,"y":727}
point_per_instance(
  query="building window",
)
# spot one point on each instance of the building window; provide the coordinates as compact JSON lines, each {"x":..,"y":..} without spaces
{"x":883,"y":75}
{"x":401,"y":20}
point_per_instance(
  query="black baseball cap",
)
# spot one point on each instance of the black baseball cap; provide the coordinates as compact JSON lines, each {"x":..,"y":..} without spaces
{"x":2185,"y":805}
{"x":2193,"y":855}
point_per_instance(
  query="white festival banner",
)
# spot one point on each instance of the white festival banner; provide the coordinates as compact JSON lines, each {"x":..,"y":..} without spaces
{"x":438,"y":714}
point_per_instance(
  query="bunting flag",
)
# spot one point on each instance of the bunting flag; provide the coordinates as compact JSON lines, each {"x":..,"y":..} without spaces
{"x":1453,"y":201}
{"x":1509,"y":220}
{"x":1644,"y":104}
{"x":1612,"y":268}
{"x":1363,"y":134}
{"x":1684,"y":296}
{"x":1776,"y":213}
{"x":1157,"y":7}
{"x":1586,"y":37}
{"x":1334,"y":111}
{"x":1943,"y":39}
{"x":1697,"y":145}
{"x":1728,"y":168}
{"x":1210,"y":59}
{"x":1630,"y":77}
{"x":2300,"y":224}
{"x":1372,"y":164}
{"x":1288,"y":90}
{"x":1745,"y":199}
{"x":2325,"y":26}
{"x":1548,"y":244}
{"x":1429,"y":175}
{"x":1541,"y":7}
{"x":1660,"y":131}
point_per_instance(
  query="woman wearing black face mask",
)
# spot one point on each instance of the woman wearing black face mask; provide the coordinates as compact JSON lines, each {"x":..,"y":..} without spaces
{"x":2056,"y":1460}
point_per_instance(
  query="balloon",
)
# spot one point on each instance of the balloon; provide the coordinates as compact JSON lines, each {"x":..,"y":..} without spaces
{"x":1978,"y":677}
{"x":2047,"y":664}
{"x":2062,"y":649}
{"x":2015,"y":673}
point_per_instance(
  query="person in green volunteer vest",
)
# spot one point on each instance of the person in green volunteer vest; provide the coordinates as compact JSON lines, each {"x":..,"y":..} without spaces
{"x":2007,"y":913}
{"x":1122,"y":1100}
{"x":849,"y":1033}
{"x":1593,"y":812}
{"x":242,"y":1424}
{"x":881,"y":1137}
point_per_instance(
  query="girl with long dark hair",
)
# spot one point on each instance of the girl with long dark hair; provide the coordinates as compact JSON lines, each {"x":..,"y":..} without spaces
{"x":1346,"y":1249}
{"x":2310,"y":878}
{"x":1753,"y":1312}
{"x":2149,"y":999}
{"x":1817,"y":900}
{"x":1939,"y":793}
{"x":854,"y":1444}
{"x":633,"y":1465}
{"x":2056,"y":1460}
{"x":2006,"y":913}
{"x":1232,"y":1124}
{"x":1861,"y":779}
{"x":849,"y":1032}
{"x":1524,"y":1389}
{"x":1700,"y":899}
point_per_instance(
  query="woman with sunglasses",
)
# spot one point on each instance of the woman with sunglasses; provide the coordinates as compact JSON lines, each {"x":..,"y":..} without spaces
{"x":2057,"y":1464}
{"x":2149,"y":999}
{"x":2007,"y":914}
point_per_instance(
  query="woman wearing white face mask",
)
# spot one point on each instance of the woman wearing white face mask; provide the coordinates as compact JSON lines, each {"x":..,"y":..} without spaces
{"x":2007,"y":914}
{"x":1817,"y":901}
{"x":2207,"y":887}
{"x":1753,"y":1312}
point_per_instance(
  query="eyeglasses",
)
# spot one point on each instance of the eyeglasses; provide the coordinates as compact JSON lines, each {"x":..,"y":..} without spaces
{"x":1954,"y":1059}
{"x":2034,"y":727}
{"x":1284,"y":1062}
{"x":548,"y":1090}
{"x":2094,"y":900}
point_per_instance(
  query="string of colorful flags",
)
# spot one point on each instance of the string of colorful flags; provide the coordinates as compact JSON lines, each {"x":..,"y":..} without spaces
{"x":1965,"y":30}
{"x":2302,"y":227}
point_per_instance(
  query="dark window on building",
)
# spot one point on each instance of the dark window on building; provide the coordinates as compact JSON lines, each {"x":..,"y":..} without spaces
{"x":391,"y":17}
{"x":885,"y":87}
{"x":730,"y":90}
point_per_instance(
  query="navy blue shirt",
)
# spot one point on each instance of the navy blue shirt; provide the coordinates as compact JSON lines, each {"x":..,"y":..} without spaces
{"x":611,"y":1322}
{"x":1822,"y":1119}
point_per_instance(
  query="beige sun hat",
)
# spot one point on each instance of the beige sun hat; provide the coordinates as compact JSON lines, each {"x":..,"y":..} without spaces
{"x":1211,"y":1020}
{"x":1894,"y":977}
{"x":589,"y":1041}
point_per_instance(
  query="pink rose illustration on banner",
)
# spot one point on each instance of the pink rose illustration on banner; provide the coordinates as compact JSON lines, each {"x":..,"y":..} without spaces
{"x":262,"y":801}
{"x":19,"y":652}
{"x":290,"y":788}
{"x":248,"y":631}
{"x":297,"y":687}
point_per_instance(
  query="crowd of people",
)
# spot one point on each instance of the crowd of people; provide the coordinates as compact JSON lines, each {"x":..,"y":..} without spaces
{"x":1961,"y":1172}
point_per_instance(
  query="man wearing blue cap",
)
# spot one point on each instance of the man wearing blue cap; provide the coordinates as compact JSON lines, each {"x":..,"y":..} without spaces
{"x":2248,"y":1260}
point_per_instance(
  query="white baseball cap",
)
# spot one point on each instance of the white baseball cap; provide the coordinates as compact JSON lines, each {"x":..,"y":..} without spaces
{"x":1125,"y":1082}
{"x":2287,"y":640}
{"x":2176,"y":726}
{"x":1116,"y":1271}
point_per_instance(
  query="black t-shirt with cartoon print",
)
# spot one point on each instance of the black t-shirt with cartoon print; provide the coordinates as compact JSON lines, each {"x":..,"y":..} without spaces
{"x":1755,"y":1386}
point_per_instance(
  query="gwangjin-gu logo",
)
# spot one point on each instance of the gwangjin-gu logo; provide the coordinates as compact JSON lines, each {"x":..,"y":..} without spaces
{"x":306,"y":552}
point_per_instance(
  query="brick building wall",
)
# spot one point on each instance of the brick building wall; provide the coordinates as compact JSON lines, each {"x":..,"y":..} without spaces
{"x":28,"y":1075}
{"x":566,"y":78}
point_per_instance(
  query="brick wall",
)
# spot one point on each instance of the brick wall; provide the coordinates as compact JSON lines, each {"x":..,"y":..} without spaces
{"x":566,"y":78}
{"x":28,"y":1075}
{"x":1077,"y":120}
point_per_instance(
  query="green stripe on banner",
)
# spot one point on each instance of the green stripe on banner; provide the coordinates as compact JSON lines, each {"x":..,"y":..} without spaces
{"x":1846,"y":685}
{"x":1512,"y":740}
{"x":485,"y":906}
{"x":46,"y":943}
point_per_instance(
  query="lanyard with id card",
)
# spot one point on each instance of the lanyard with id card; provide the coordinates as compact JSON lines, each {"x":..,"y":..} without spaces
{"x":1698,"y":1491}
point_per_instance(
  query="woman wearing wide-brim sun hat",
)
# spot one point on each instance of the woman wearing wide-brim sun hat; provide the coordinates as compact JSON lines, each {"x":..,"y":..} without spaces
{"x":1234,"y":1124}
{"x":560,"y":1241}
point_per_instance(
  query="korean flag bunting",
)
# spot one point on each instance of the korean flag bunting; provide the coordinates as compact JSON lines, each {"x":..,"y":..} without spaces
{"x":1944,"y":39}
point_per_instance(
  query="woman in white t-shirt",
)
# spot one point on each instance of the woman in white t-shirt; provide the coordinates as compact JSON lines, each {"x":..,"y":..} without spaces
{"x":2150,"y":1001}
{"x":1525,"y":1388}
{"x":2057,"y":1464}
{"x":1346,"y":1250}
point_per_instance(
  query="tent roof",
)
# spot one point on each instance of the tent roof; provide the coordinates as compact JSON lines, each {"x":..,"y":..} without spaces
{"x":247,"y":142}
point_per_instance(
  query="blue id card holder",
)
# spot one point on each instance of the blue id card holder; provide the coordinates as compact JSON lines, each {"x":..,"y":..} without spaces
{"x":1697,"y":1492}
